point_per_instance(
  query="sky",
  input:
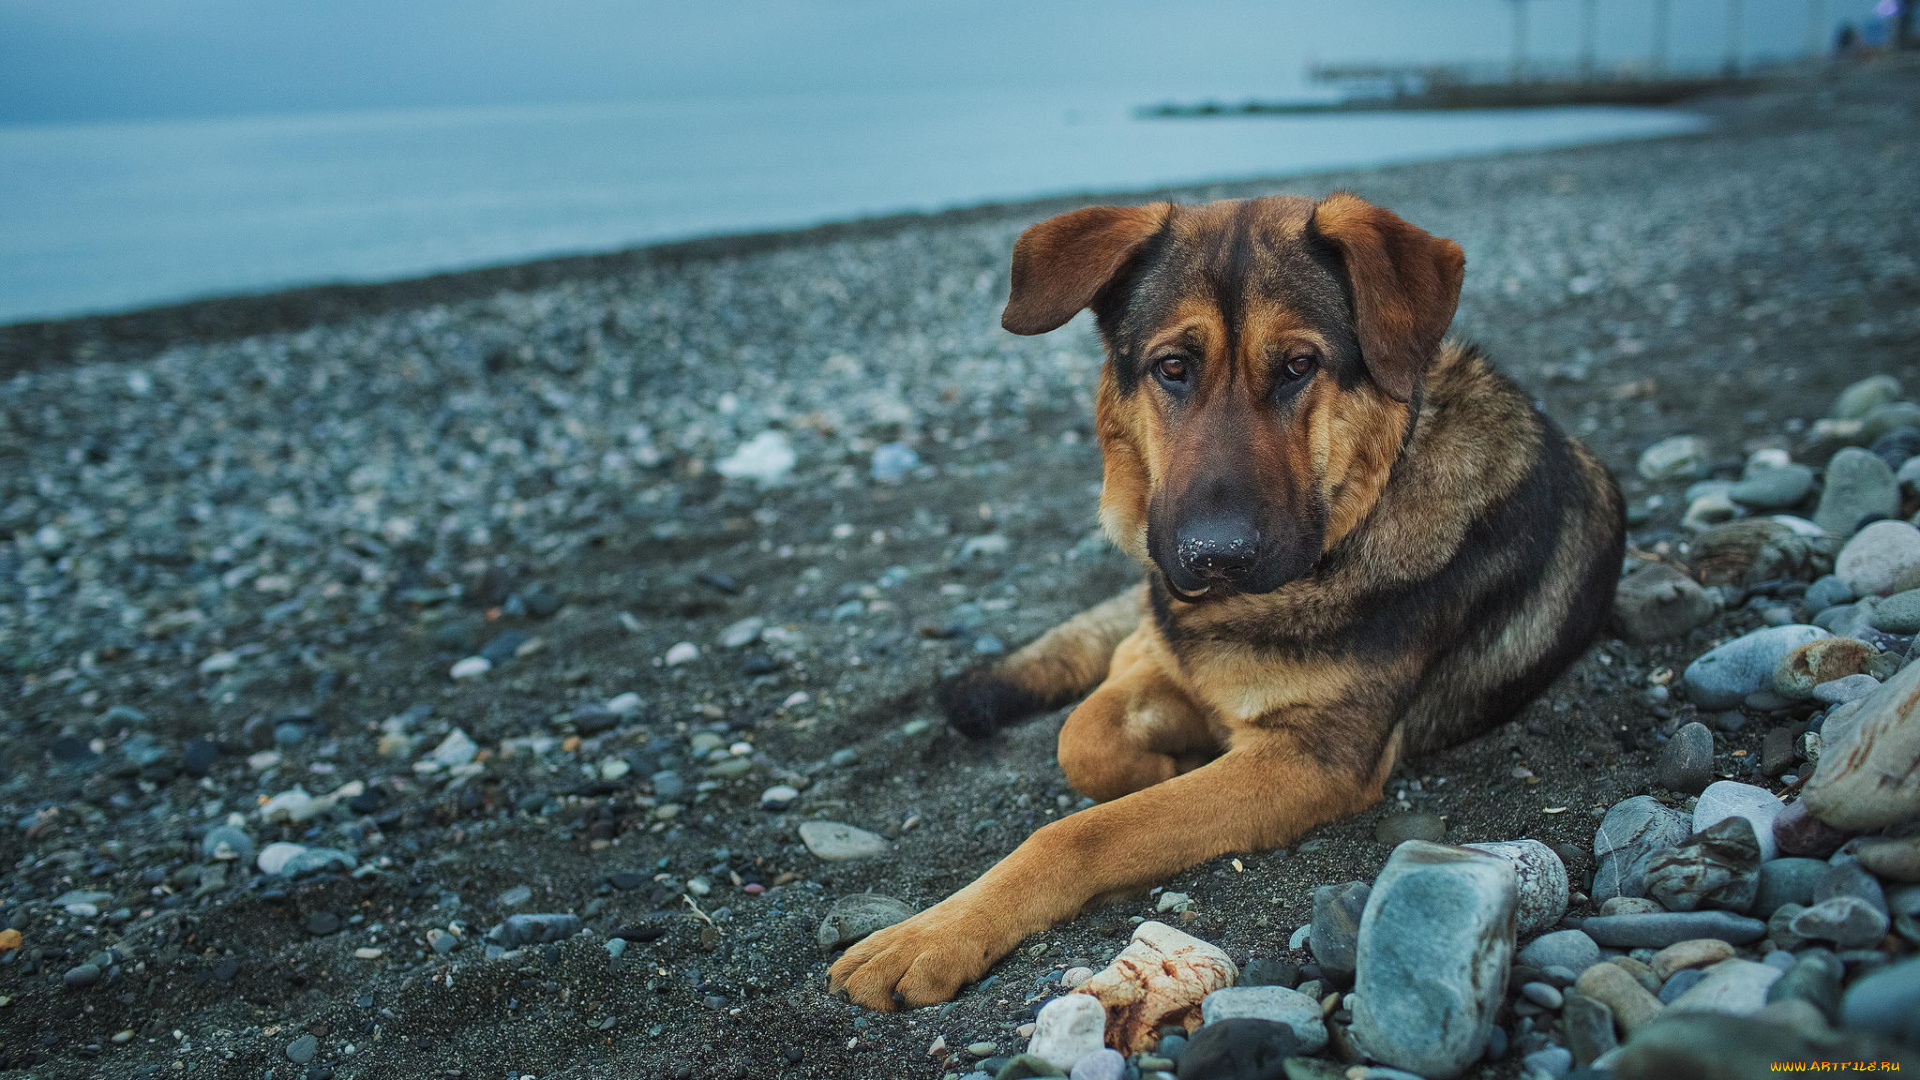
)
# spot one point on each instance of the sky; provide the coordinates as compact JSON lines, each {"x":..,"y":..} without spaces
{"x":118,"y":60}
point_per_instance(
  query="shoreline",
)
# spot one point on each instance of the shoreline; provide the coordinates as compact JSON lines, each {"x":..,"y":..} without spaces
{"x":36,"y":344}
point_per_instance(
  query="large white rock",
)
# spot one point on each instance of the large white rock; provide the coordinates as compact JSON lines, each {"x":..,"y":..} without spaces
{"x":1869,"y":776}
{"x":1436,"y":941}
{"x":1068,"y":1029}
{"x":1879,"y":556}
{"x":1159,"y":979}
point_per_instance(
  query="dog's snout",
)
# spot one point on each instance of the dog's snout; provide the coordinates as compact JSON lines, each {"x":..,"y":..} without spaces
{"x":1219,"y":545}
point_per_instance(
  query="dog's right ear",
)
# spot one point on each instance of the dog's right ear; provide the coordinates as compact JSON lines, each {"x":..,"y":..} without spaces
{"x":1061,"y":264}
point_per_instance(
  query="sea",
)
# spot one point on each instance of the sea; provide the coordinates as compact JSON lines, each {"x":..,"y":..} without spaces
{"x":105,"y":217}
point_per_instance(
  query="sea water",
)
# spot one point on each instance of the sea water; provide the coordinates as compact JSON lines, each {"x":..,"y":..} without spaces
{"x":104,"y":217}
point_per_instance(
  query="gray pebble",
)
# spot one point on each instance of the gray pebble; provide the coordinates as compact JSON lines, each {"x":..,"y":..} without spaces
{"x":1664,"y":929}
{"x":1686,"y":762}
{"x":301,"y":1050}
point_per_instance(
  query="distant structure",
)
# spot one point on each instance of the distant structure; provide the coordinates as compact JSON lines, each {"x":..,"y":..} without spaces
{"x":1524,"y":81}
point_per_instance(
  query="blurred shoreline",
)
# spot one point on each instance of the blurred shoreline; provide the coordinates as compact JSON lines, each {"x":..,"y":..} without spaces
{"x":35,"y":344}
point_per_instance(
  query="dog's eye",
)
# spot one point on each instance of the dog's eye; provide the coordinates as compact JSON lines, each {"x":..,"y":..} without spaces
{"x":1300,"y":367}
{"x":1171,"y":369}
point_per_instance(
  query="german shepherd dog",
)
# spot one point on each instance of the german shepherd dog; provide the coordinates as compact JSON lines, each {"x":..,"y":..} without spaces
{"x":1360,"y":542}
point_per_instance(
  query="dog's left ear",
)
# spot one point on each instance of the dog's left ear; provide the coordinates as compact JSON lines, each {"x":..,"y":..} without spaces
{"x":1061,"y":264}
{"x":1406,"y":284}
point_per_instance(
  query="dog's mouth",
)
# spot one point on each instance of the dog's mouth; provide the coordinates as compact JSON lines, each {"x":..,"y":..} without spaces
{"x":1206,"y":590}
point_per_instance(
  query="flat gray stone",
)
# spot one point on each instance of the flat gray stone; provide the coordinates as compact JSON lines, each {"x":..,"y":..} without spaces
{"x":1735,"y":987}
{"x":1880,"y":558}
{"x":1296,"y":1011}
{"x":1334,"y":934}
{"x":1657,"y":931}
{"x":1774,"y":487}
{"x":1633,"y":830}
{"x":1436,"y":940}
{"x":1786,"y":881}
{"x":1847,"y":921}
{"x":1686,"y":762}
{"x":1718,"y":867}
{"x":854,"y":917}
{"x":1658,"y":602}
{"x":1858,"y":486}
{"x":1723,"y":677}
{"x":837,"y":842}
{"x":1887,"y":1002}
{"x":1570,"y":949}
{"x":1864,"y":396}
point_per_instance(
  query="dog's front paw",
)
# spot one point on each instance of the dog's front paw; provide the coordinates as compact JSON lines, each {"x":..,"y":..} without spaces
{"x":923,"y":961}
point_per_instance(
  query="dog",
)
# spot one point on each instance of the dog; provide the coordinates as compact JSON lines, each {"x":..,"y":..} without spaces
{"x":1360,"y":543}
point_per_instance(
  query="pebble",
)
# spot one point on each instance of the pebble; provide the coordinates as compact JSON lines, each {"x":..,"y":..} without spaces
{"x":1678,"y":457}
{"x":1729,"y":798}
{"x":1680,"y":983}
{"x":226,"y":842}
{"x":1686,"y":762}
{"x":1239,"y":1049}
{"x":1887,"y":1002}
{"x":1540,"y":879}
{"x":1858,"y":486}
{"x":1826,"y":591}
{"x":1297,"y":1012}
{"x":1909,"y":477}
{"x":1712,"y":1046}
{"x":1898,"y":614}
{"x":1553,"y":1062}
{"x":1786,"y":881}
{"x":1864,"y":396}
{"x":1570,"y":949}
{"x":1159,"y":979}
{"x":471,"y":667}
{"x":1657,"y":602}
{"x":536,"y":929}
{"x":779,"y":797}
{"x":81,"y":975}
{"x":1815,"y":977}
{"x":1613,"y":986}
{"x":1869,"y":777}
{"x":1436,"y":939}
{"x":1631,"y":905}
{"x":1718,"y":867}
{"x":455,"y":750}
{"x":1883,"y":557}
{"x":1657,"y":931}
{"x":837,"y":842}
{"x":1819,"y":662}
{"x":1889,"y":419}
{"x":1847,"y":921}
{"x":1102,"y":1064}
{"x":1334,"y":934}
{"x":301,"y":1050}
{"x":1541,"y":994}
{"x":892,"y":462}
{"x":1631,"y":833}
{"x":743,"y":633}
{"x":1897,"y":859}
{"x":1068,"y":1029}
{"x":1726,"y":675}
{"x":1775,"y":487}
{"x":1695,"y":953}
{"x":854,"y":917}
{"x":1416,"y":825}
{"x":1588,"y":1026}
{"x":766,"y":459}
{"x":1735,"y":987}
{"x":1847,"y":688}
{"x":1798,"y":832}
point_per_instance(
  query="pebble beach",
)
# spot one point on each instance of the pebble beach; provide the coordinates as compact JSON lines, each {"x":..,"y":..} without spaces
{"x":529,"y":673}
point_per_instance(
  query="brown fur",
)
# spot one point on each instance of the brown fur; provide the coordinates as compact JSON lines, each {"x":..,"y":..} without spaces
{"x":1434,"y":552}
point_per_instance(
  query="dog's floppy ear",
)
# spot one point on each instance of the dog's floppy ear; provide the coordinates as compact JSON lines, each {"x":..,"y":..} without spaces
{"x":1406,"y":283}
{"x":1061,"y":264}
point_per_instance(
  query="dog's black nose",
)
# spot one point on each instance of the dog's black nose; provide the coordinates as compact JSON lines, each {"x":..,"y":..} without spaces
{"x":1215,"y":546}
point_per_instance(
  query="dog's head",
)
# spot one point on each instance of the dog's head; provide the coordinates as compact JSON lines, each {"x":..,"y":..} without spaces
{"x":1262,"y":358}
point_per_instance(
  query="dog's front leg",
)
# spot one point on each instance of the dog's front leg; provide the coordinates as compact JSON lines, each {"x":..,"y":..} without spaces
{"x":1262,"y":793}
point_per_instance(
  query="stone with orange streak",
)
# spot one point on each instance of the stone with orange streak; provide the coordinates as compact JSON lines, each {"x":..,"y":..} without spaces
{"x":1160,"y":978}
